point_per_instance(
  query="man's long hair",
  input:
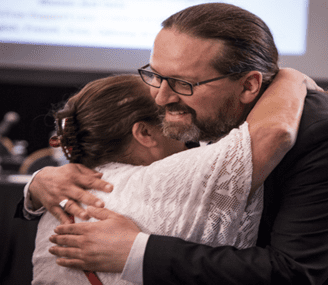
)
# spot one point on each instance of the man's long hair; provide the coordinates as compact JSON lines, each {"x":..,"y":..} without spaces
{"x":248,"y":42}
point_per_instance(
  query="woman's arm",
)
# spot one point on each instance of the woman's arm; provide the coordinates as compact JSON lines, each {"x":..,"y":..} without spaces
{"x":274,"y":121}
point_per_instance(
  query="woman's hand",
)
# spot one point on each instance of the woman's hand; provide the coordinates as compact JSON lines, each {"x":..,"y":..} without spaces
{"x":54,"y":184}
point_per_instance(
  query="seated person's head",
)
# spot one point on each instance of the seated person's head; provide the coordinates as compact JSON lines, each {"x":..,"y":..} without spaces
{"x":113,"y":119}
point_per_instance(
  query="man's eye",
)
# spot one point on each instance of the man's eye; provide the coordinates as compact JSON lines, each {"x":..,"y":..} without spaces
{"x":182,"y":84}
{"x":156,"y":77}
{"x":149,"y":74}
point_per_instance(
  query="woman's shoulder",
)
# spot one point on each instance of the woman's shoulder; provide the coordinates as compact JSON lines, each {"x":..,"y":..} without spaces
{"x":114,"y":169}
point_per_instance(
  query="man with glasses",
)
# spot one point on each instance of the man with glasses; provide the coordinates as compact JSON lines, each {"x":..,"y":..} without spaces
{"x":202,"y":60}
{"x":179,"y":86}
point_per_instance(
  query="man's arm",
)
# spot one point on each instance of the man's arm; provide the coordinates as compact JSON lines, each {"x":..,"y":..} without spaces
{"x":25,"y":209}
{"x":294,"y":248}
{"x":97,"y":246}
{"x":51,"y":185}
{"x":74,"y":252}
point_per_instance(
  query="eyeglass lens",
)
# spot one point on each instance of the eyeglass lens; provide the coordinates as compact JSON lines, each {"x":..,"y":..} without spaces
{"x":176,"y":85}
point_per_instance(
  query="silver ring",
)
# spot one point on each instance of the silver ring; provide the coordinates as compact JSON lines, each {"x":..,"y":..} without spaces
{"x":63,"y":203}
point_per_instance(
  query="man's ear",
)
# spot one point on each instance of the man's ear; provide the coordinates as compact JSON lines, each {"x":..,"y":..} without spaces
{"x":251,"y":83}
{"x":145,"y":134}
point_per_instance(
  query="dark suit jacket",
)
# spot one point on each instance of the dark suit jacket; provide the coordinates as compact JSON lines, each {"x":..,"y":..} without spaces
{"x":293,"y":238}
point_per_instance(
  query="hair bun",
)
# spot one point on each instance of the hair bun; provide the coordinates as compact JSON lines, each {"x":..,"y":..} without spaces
{"x":69,"y":142}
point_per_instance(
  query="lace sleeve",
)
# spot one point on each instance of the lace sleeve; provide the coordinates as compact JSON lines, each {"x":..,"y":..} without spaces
{"x":199,"y":195}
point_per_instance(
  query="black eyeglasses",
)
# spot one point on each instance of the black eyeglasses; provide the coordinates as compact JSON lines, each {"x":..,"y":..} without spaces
{"x":177,"y":85}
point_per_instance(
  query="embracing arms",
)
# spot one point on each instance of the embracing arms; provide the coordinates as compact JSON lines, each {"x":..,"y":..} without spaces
{"x":274,"y":121}
{"x":292,"y":246}
{"x":273,"y":133}
{"x":288,"y":131}
{"x":54,"y":184}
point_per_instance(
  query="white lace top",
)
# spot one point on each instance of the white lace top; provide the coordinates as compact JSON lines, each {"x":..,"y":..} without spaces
{"x":199,"y":195}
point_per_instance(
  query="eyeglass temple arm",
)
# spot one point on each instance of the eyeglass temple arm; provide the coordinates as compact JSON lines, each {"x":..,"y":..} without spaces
{"x":210,"y":80}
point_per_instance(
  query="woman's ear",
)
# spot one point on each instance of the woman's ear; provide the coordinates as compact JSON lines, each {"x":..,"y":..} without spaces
{"x":251,"y":83}
{"x":145,"y":134}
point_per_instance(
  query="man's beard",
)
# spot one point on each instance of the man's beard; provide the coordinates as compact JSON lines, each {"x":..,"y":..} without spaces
{"x":198,"y":130}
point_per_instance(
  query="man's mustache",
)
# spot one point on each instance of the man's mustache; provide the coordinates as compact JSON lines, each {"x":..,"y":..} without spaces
{"x":176,"y":107}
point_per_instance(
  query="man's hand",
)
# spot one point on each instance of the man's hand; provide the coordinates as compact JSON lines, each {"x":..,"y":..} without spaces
{"x":99,"y":246}
{"x":54,"y":184}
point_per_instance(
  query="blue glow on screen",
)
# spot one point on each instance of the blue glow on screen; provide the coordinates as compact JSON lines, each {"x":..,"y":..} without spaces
{"x":130,"y":24}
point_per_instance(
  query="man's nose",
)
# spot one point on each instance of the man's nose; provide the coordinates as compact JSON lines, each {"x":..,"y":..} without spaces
{"x":165,"y":95}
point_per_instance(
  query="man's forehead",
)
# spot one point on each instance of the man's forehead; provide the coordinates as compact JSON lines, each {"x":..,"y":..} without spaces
{"x":179,"y":54}
{"x":184,"y":43}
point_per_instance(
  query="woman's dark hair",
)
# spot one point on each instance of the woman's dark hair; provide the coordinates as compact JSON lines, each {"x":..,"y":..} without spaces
{"x":248,"y":42}
{"x":95,"y":125}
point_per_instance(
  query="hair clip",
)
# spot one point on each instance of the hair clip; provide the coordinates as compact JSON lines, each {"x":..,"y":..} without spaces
{"x":54,"y":141}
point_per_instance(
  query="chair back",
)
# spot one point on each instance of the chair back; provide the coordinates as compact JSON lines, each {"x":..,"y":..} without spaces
{"x":37,"y":160}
